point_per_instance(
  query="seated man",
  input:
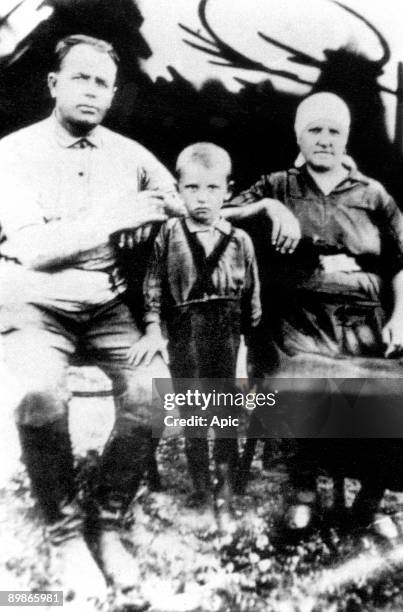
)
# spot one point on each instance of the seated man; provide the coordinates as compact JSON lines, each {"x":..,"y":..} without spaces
{"x":68,"y":183}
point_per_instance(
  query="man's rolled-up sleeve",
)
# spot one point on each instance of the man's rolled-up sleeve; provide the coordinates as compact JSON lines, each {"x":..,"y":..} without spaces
{"x":19,"y":206}
{"x":153,"y":174}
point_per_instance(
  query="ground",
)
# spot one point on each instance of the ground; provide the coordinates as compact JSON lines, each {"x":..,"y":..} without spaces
{"x":187,"y":562}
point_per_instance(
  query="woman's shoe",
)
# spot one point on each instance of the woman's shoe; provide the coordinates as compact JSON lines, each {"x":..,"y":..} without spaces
{"x":302,"y":511}
{"x":366,"y":515}
{"x":383,"y":526}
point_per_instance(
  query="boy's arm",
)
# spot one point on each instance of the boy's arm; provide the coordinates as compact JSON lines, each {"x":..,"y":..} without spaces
{"x":152,"y":285}
{"x":251,"y":304}
{"x":152,"y":342}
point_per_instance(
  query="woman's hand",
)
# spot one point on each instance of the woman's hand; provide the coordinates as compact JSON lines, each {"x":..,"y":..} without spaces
{"x":392,"y":336}
{"x":148,"y":346}
{"x":286,"y":230}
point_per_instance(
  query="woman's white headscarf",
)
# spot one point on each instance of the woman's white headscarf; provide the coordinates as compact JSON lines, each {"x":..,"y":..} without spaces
{"x":323,"y":105}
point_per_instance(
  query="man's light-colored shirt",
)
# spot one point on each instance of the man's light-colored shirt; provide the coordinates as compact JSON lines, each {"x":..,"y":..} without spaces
{"x":48,"y":175}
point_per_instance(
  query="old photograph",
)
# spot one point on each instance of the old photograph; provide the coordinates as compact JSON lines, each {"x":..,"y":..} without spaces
{"x":201,"y":305}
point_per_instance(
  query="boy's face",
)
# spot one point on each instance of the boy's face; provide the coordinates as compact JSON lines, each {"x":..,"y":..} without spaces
{"x":204,"y":191}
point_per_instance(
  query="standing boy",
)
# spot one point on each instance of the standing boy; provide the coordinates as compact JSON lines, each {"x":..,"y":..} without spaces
{"x":203,"y":279}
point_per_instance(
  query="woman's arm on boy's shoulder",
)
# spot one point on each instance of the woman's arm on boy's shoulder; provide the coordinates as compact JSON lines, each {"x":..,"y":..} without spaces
{"x":258,"y":200}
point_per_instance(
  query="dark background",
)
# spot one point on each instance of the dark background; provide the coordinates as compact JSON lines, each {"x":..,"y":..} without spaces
{"x":255,"y":125}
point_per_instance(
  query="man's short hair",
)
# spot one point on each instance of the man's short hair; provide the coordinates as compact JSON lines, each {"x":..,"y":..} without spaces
{"x":205,"y":154}
{"x":65,"y":44}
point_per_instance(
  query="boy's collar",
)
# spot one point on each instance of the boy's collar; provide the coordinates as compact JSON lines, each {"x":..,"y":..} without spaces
{"x":221,"y":224}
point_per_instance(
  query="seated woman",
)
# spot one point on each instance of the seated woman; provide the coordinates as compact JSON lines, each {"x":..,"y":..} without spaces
{"x":332,"y":300}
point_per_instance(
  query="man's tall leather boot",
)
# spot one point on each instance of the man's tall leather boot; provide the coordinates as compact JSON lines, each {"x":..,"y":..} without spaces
{"x":122,"y":466}
{"x":49,"y":462}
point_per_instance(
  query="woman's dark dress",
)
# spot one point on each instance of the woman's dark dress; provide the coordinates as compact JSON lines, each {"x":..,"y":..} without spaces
{"x":321,"y":324}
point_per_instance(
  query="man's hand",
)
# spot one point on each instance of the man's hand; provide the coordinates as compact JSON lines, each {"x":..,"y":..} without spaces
{"x":167,"y":203}
{"x":169,"y":200}
{"x":148,"y":346}
{"x":134,"y":211}
{"x":286,"y":231}
{"x":392,"y":336}
{"x":127,"y":239}
{"x":173,"y":204}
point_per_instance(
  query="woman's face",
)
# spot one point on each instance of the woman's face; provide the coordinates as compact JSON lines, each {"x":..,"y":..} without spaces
{"x":323,"y":143}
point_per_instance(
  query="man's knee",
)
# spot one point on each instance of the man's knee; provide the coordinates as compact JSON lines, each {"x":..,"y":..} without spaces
{"x":139,"y":381}
{"x":138,"y":403}
{"x":41,"y":404}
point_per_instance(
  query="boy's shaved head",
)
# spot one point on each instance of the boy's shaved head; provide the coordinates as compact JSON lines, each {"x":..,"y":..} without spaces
{"x":205,"y":154}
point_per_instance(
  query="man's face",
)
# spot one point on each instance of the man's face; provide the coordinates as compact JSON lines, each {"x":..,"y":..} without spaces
{"x":323,"y":143}
{"x":83,"y":88}
{"x":204,"y":191}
